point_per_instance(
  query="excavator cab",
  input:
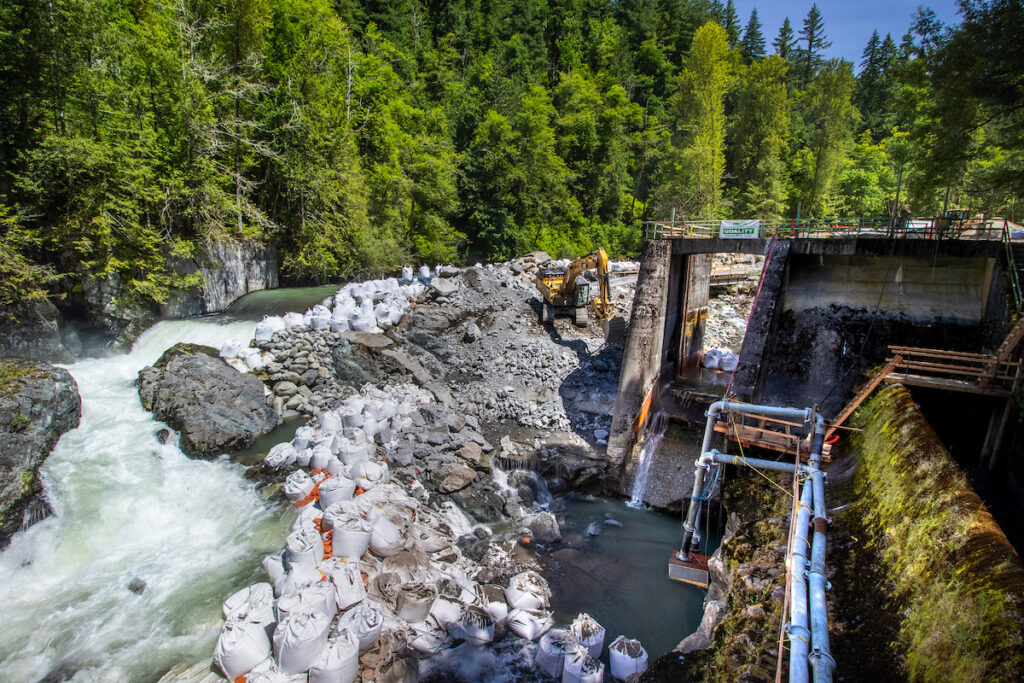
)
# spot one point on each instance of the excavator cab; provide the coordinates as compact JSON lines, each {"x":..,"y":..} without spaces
{"x":566,"y":292}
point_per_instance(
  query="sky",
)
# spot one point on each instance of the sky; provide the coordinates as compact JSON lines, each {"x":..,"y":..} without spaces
{"x":848,"y":23}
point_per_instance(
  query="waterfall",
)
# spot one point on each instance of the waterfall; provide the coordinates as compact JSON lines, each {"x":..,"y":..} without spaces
{"x":655,"y":433}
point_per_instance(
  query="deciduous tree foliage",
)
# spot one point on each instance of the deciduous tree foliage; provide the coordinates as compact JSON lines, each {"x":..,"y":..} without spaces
{"x":359,"y":136}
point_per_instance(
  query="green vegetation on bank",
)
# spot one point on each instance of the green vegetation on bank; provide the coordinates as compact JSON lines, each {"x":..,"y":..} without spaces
{"x":954,"y":577}
{"x":357,"y":136}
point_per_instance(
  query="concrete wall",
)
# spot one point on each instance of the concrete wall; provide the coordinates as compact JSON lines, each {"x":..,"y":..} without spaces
{"x":919,"y":288}
{"x":642,"y":354}
{"x":763,"y":320}
{"x":694,"y":310}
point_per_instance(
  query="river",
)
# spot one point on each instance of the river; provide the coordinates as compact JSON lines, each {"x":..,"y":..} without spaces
{"x":128,"y":507}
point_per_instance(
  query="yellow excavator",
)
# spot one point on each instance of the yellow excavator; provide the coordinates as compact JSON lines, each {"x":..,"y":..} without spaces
{"x":565,"y":292}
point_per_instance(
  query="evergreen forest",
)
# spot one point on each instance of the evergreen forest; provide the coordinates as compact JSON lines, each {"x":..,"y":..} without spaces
{"x":357,"y":136}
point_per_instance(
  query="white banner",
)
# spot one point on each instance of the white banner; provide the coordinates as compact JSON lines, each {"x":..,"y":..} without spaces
{"x":739,"y":230}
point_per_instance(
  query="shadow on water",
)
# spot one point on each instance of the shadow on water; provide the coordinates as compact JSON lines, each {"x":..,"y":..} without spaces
{"x":620,"y":577}
{"x":278,"y":301}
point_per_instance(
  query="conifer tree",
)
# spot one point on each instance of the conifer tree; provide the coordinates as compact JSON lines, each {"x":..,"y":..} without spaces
{"x":753,"y":45}
{"x":785,"y":41}
{"x":813,"y":33}
{"x":731,"y":22}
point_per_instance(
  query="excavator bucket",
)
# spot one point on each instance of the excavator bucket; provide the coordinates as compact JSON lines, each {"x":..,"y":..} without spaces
{"x":615,"y":330}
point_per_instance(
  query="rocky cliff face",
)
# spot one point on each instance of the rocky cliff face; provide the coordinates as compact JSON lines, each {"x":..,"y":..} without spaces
{"x":230,"y":269}
{"x":216,"y":408}
{"x":32,"y":330}
{"x":38,"y":403}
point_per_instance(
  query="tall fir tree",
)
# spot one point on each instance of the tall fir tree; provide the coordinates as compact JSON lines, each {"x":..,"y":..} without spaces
{"x":753,"y":45}
{"x":815,"y":42}
{"x":785,"y":41}
{"x":731,"y":22}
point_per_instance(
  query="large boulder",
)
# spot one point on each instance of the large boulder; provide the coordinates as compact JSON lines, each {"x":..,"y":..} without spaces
{"x":216,"y":408}
{"x":31,"y":329}
{"x":38,"y":403}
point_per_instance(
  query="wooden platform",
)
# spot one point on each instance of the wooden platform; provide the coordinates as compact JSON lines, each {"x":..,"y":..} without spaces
{"x":755,"y":431}
{"x":695,"y":572}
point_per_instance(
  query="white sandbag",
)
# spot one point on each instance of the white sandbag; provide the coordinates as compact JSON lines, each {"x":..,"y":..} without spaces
{"x":230,"y":348}
{"x":304,"y":436}
{"x":306,"y":521}
{"x":349,"y":451}
{"x":320,"y":322}
{"x":428,"y":636}
{"x":330,"y":422}
{"x":370,"y":425}
{"x":294,"y":320}
{"x":319,"y":458}
{"x":254,"y":603}
{"x":351,"y":416}
{"x":589,"y":634}
{"x":339,"y":661}
{"x":407,"y":273}
{"x":446,"y":611}
{"x":369,"y":474}
{"x":347,"y":583}
{"x":428,"y":539}
{"x":386,"y":539}
{"x":267,"y":671}
{"x":351,"y":537}
{"x":252,"y":357}
{"x":298,"y":485}
{"x":335,"y":489}
{"x":335,"y":467}
{"x":382,"y":411}
{"x":298,"y":577}
{"x":627,"y":657}
{"x":711,"y":359}
{"x":528,"y":623}
{"x":280,"y":456}
{"x":414,"y":601}
{"x":475,"y":626}
{"x":728,"y":361}
{"x":366,"y":306}
{"x":364,"y":323}
{"x":303,"y":547}
{"x":580,"y":667}
{"x":302,"y":457}
{"x":365,"y":620}
{"x":298,"y":639}
{"x":268,"y":327}
{"x":528,"y":590}
{"x":241,"y":646}
{"x":425,"y":273}
{"x":338,"y":512}
{"x":342,"y":325}
{"x":273,"y":565}
{"x":552,"y":650}
{"x":317,"y":597}
{"x":493,"y":600}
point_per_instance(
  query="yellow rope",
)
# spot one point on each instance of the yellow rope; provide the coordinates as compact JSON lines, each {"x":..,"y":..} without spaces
{"x":742,"y":456}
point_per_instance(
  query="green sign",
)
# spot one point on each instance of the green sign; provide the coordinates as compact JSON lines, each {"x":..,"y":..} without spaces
{"x":739,"y":230}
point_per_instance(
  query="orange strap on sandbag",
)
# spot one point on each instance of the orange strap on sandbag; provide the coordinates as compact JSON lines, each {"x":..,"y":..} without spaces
{"x":314,"y":495}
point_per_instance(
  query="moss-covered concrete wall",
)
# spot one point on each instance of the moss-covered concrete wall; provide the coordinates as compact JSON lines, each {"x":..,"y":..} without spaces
{"x":953,"y":576}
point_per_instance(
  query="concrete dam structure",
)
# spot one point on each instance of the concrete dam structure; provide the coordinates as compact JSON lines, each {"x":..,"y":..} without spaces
{"x":826,"y":311}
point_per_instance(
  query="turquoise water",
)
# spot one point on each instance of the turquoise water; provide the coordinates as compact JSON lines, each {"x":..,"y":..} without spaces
{"x":620,"y":577}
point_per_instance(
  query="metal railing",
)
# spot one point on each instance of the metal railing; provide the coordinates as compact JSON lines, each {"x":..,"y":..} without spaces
{"x":856,"y":226}
{"x":1011,"y":264}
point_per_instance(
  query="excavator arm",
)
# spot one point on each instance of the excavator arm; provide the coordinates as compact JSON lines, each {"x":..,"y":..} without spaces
{"x":561,"y":292}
